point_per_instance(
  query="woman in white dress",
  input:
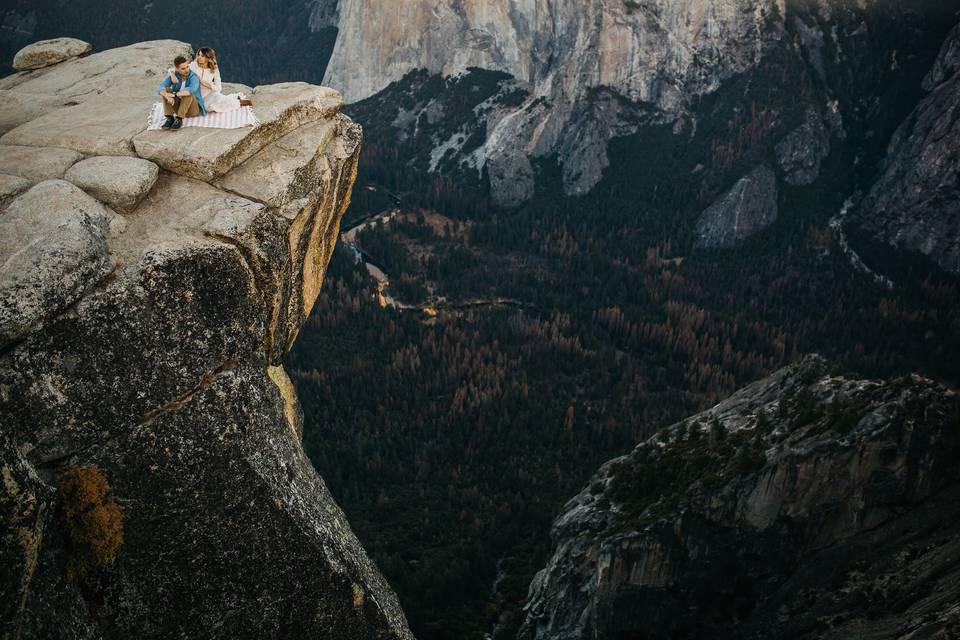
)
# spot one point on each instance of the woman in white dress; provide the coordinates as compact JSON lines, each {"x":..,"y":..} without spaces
{"x":206,"y":68}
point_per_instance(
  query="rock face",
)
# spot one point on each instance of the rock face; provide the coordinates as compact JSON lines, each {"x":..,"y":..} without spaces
{"x":49,"y":52}
{"x":915,"y":204}
{"x":947,"y":62}
{"x":659,"y":53}
{"x":805,"y":506}
{"x":153,"y":480}
{"x":750,"y":206}
{"x":54,"y":249}
{"x":801,"y":152}
{"x":621,"y":45}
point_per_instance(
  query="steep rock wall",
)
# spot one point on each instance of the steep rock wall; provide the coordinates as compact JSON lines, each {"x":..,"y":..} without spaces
{"x":915,"y":203}
{"x":659,"y":53}
{"x":804,"y":506}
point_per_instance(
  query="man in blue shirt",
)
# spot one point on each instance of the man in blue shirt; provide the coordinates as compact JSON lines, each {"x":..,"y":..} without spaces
{"x":181,"y":99}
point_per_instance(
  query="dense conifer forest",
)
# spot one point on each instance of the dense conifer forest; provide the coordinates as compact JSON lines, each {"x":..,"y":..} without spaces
{"x":453,"y":435}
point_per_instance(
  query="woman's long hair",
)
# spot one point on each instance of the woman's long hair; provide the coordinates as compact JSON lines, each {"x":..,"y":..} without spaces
{"x":211,"y":57}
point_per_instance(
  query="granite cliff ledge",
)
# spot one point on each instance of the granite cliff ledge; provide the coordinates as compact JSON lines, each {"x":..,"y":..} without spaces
{"x":153,"y":479}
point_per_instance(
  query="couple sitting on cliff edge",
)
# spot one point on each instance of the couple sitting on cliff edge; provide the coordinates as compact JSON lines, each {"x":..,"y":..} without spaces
{"x":192,"y":89}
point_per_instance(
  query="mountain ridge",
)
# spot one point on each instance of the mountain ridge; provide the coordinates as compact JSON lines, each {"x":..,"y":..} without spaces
{"x":806,"y":505}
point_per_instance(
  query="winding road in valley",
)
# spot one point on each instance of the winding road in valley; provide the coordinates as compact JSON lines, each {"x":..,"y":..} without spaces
{"x":349,"y":238}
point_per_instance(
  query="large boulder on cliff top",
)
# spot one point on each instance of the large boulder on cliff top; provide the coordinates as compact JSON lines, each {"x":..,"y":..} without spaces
{"x":49,"y":52}
{"x":52,"y":251}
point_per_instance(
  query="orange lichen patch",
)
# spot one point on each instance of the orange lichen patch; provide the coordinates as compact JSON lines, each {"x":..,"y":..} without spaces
{"x":358,"y":595}
{"x":93,"y":521}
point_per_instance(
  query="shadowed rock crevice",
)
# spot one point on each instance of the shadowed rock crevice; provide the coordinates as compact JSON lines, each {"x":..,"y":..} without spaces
{"x":144,"y":339}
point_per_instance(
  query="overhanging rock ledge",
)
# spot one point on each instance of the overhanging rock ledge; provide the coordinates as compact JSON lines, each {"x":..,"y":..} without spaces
{"x":153,"y":480}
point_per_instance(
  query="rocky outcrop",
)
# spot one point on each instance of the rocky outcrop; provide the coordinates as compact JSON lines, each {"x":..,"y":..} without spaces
{"x":54,"y":250}
{"x":660,"y":53}
{"x":805,"y":506}
{"x":49,"y":52}
{"x":747,"y":208}
{"x":947,"y":62}
{"x":153,"y":480}
{"x":803,"y":150}
{"x":915,"y":204}
{"x":92,"y":108}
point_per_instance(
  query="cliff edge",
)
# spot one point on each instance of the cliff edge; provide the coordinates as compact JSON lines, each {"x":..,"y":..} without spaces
{"x":153,"y":479}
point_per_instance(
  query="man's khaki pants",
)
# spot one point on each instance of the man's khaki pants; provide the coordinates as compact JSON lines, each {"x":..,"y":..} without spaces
{"x":185,"y":107}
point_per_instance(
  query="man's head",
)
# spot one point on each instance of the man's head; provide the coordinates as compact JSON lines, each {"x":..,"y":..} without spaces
{"x":182,"y":65}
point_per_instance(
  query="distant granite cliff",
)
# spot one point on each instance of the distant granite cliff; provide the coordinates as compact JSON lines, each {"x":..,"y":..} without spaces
{"x":915,"y":204}
{"x":583,"y":74}
{"x":654,"y":58}
{"x":153,"y":479}
{"x":807,"y":505}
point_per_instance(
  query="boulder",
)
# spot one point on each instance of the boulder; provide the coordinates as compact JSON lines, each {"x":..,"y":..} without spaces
{"x":49,"y":52}
{"x":210,"y":153}
{"x":52,"y":251}
{"x":803,"y":150}
{"x":117,"y":181}
{"x":747,"y":208}
{"x":36,"y":163}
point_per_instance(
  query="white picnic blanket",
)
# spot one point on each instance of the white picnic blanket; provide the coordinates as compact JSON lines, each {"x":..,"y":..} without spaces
{"x":236,"y":119}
